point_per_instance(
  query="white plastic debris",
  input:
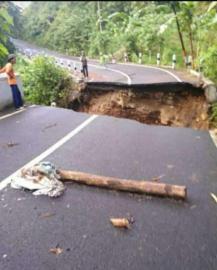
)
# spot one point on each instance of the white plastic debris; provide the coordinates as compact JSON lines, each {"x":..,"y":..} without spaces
{"x":42,"y":178}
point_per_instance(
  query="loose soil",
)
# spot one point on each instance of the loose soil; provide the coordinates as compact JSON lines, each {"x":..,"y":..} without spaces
{"x":178,"y":109}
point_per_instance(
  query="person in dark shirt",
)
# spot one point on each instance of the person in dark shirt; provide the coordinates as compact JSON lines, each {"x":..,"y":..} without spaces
{"x":84,"y":64}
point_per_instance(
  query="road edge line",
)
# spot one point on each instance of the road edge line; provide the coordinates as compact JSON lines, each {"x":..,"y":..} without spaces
{"x":139,"y":65}
{"x":4,"y":183}
{"x":129,"y":81}
{"x":11,"y":114}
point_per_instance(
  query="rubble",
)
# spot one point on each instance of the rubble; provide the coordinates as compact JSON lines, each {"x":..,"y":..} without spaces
{"x":41,"y":178}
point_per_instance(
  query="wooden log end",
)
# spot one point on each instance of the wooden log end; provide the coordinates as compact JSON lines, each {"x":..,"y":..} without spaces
{"x":120,"y":222}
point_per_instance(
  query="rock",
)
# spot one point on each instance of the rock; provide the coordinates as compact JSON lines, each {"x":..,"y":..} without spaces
{"x":203,"y":116}
{"x":169,"y":101}
{"x":210,"y":92}
{"x":75,"y":95}
{"x":131,"y":94}
{"x":130,"y":106}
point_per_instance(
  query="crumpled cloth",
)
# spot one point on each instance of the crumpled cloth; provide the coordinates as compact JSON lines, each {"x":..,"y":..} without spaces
{"x":42,"y":178}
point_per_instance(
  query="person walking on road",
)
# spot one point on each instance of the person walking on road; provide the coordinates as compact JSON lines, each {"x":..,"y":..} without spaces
{"x":8,"y":69}
{"x":84,"y":64}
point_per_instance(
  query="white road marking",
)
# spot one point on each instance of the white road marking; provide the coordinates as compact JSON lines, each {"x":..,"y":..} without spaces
{"x":64,"y":62}
{"x":50,"y":150}
{"x":16,"y":112}
{"x":164,"y":70}
{"x":120,"y":72}
{"x":11,"y":114}
{"x":129,"y":81}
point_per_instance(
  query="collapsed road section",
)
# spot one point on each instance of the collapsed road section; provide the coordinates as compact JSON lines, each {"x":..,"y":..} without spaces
{"x":82,"y":220}
{"x":167,"y":104}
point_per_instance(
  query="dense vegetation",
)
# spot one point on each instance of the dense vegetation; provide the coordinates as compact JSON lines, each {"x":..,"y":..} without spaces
{"x":9,"y":18}
{"x":115,"y":27}
{"x":43,"y":81}
{"x":112,"y":28}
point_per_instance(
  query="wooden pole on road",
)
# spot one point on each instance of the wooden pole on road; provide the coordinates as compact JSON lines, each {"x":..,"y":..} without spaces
{"x":147,"y":187}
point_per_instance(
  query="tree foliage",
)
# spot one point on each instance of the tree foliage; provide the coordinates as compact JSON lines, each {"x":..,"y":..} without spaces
{"x":43,"y":81}
{"x":115,"y":27}
{"x":5,"y":22}
{"x":9,"y":17}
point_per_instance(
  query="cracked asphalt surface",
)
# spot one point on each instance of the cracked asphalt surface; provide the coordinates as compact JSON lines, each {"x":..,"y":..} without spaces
{"x":167,"y":234}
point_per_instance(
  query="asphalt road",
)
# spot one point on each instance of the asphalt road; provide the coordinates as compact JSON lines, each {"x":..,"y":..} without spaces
{"x":167,"y":234}
{"x":121,"y":73}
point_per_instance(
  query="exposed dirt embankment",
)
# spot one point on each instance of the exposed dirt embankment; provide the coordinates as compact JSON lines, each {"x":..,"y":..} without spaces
{"x":179,"y":109}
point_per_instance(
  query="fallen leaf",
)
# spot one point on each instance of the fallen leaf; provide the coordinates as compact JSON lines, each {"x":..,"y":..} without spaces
{"x":47,"y":215}
{"x":50,"y":126}
{"x":131,"y":220}
{"x":120,"y":222}
{"x":214,"y":197}
{"x":12,"y":144}
{"x":156,"y":179}
{"x":56,"y":250}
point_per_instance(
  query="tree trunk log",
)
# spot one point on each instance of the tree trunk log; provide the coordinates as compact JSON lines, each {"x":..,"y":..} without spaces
{"x":192,"y":46}
{"x":147,"y":187}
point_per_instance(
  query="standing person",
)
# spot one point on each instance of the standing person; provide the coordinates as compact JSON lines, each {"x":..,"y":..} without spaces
{"x":8,"y":69}
{"x":126,"y":59}
{"x":84,"y":64}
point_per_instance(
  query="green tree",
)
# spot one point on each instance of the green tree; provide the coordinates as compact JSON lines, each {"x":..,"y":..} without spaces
{"x":147,"y":27}
{"x":6,"y":22}
{"x":15,"y":13}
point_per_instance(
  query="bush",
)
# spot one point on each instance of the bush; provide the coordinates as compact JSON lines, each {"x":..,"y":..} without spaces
{"x":119,"y":54}
{"x":209,"y":63}
{"x":43,"y":81}
{"x":134,"y":58}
